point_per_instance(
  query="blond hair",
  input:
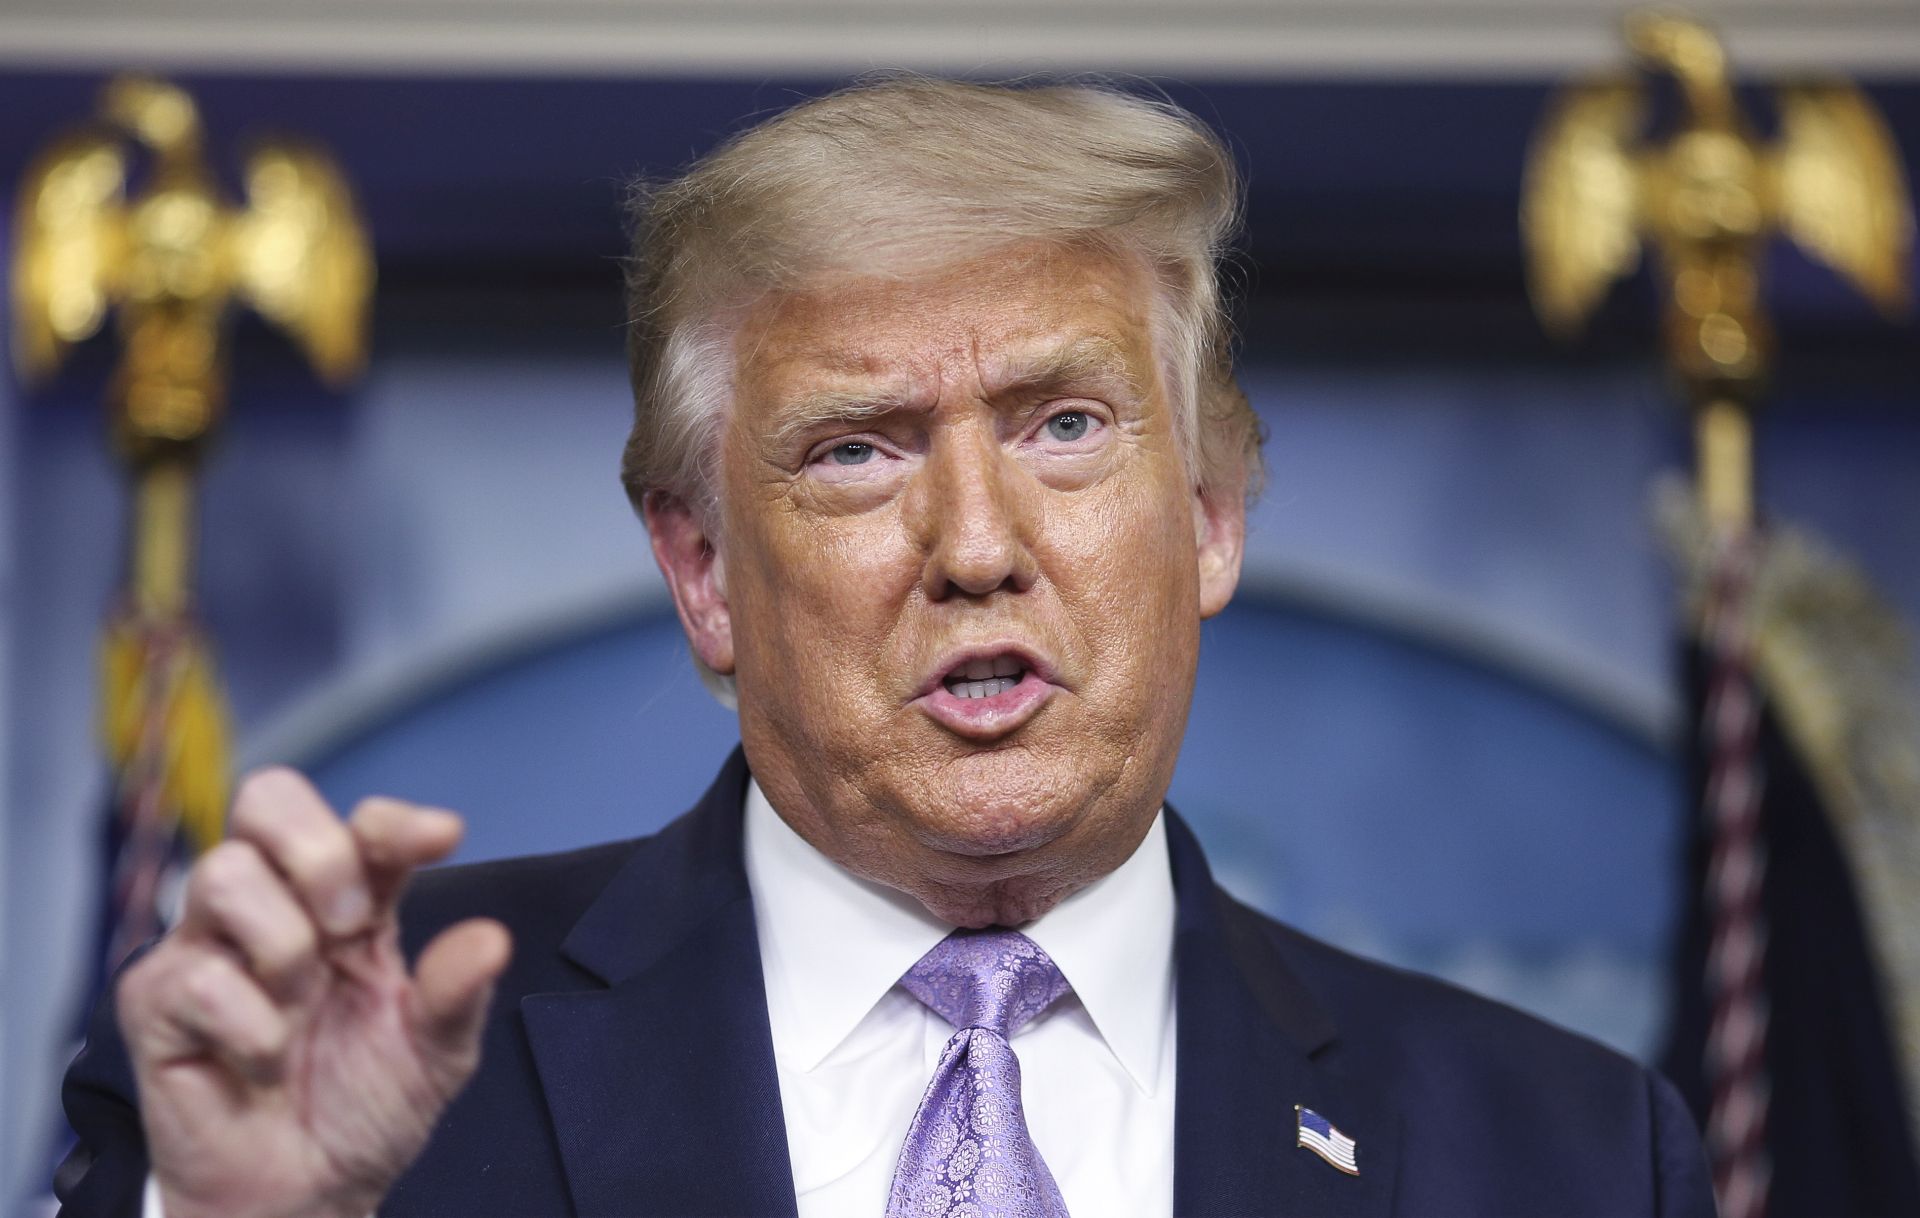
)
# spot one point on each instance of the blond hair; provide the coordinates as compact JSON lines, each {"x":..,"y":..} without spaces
{"x":906,"y":174}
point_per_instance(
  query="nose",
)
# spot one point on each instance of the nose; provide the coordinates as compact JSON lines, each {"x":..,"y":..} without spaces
{"x":976,"y":518}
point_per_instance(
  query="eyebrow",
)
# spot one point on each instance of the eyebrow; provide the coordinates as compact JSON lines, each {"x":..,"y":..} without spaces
{"x":820,"y":407}
{"x":1093,"y":360}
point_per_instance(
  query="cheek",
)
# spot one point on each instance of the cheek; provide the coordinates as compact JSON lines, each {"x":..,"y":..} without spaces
{"x":1126,"y":556}
{"x":1127,"y":570}
{"x":819,"y":607}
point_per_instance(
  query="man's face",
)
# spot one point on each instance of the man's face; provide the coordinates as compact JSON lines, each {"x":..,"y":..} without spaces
{"x":961,"y":574}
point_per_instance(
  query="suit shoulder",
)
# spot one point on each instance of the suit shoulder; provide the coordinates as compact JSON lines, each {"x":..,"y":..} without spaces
{"x":1579,"y":1127}
{"x":1405,"y":1017}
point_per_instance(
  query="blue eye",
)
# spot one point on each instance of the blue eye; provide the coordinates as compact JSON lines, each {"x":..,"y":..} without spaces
{"x":852,"y":453}
{"x":1069,"y":425}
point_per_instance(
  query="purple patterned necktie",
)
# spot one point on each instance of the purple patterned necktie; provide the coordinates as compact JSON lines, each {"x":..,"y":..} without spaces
{"x":968,"y":1153}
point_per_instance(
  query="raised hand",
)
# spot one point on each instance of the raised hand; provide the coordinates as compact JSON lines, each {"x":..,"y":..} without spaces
{"x":287,"y":1063}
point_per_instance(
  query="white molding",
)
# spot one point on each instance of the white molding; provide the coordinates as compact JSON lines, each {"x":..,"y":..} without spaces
{"x":1204,"y":38}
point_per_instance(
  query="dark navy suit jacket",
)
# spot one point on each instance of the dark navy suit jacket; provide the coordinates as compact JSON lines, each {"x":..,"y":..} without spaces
{"x":628,"y":1067}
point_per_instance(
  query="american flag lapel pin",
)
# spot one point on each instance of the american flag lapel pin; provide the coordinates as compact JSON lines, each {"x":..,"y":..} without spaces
{"x":1318,"y":1135}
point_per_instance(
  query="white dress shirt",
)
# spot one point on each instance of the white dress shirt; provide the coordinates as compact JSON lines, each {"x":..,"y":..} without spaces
{"x":854,"y":1051}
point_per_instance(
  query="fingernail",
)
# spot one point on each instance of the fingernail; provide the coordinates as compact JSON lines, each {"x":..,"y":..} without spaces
{"x":348,"y":911}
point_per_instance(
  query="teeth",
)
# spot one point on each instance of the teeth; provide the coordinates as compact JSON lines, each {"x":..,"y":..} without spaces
{"x":986,"y":677}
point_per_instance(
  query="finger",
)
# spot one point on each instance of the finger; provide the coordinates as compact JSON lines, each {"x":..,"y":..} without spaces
{"x":235,"y":896}
{"x":394,"y":837}
{"x":278,"y":811}
{"x":453,"y":985}
{"x":204,"y":1002}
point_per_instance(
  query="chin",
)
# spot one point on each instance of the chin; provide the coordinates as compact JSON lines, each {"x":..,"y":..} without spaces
{"x":991,"y":836}
{"x":1001,"y":805}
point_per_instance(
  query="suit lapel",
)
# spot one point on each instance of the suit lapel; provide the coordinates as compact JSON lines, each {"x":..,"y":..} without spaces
{"x":1252,"y":1044}
{"x":661,"y":1083}
{"x":664,"y":1098}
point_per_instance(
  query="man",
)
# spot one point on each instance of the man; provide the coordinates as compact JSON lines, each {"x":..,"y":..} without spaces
{"x":937,"y":440}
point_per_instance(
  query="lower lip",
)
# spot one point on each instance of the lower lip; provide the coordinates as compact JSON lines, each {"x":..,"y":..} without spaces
{"x":986,"y":718}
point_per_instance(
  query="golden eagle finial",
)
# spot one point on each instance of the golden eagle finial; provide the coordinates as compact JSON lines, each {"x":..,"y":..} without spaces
{"x":1706,"y":197}
{"x":1596,"y":187}
{"x":172,"y":257}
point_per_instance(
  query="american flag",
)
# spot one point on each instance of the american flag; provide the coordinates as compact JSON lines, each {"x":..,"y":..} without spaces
{"x":1319,"y":1135}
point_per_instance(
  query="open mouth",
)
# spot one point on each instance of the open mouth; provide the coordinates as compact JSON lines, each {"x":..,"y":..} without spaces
{"x":985,"y":678}
{"x":987,"y":692}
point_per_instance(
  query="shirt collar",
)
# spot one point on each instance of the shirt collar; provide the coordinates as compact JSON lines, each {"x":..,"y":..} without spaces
{"x":1114,"y":941}
{"x":832,"y":944}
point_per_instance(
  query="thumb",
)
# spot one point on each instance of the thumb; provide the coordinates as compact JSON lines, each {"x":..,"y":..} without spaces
{"x":453,"y":985}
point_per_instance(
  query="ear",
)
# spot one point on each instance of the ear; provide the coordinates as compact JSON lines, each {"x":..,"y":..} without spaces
{"x":696,"y":571}
{"x":1220,"y":535}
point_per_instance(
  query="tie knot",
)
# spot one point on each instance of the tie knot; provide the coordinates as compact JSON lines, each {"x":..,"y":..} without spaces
{"x":995,"y":979}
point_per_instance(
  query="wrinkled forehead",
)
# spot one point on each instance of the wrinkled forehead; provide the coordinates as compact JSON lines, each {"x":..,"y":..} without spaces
{"x":1021,"y":316}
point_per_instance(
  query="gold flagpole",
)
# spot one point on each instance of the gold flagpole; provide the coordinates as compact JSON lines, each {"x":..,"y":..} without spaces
{"x":1706,"y":199}
{"x":169,"y":261}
